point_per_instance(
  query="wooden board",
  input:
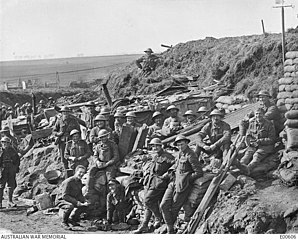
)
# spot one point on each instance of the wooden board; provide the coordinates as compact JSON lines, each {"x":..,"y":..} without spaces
{"x":41,"y":133}
{"x":50,"y":112}
{"x":124,"y":141}
{"x":141,"y":138}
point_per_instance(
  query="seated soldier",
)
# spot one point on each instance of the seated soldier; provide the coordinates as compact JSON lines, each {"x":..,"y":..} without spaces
{"x":202,"y":111}
{"x":154,"y":130}
{"x":168,"y":123}
{"x":118,"y":124}
{"x":219,"y":134}
{"x":77,"y":151}
{"x":190,"y":118}
{"x":149,"y":62}
{"x":117,"y":206}
{"x":260,"y":140}
{"x":71,"y":199}
{"x":100,"y":123}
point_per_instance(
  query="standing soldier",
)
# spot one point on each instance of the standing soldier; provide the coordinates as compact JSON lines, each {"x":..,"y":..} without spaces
{"x":190,"y":118}
{"x":5,"y":132}
{"x":173,"y":122}
{"x":88,"y":117}
{"x":62,"y":129}
{"x":155,"y":184}
{"x":100,"y":124}
{"x":17,"y":110}
{"x":77,"y":151}
{"x":118,"y":124}
{"x":149,"y":62}
{"x":185,"y":171}
{"x":106,"y":157}
{"x":260,"y":139}
{"x":106,"y":111}
{"x":219,"y":134}
{"x":9,"y":167}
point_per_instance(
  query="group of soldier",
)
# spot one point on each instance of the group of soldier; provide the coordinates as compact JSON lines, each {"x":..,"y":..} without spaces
{"x":167,"y":181}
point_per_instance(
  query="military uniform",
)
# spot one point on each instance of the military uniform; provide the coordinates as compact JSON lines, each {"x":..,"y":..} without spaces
{"x":173,"y":124}
{"x":78,"y":149}
{"x":219,"y":135}
{"x":153,"y":131}
{"x":186,"y":169}
{"x":149,"y":63}
{"x":264,"y":133}
{"x":94,"y":134}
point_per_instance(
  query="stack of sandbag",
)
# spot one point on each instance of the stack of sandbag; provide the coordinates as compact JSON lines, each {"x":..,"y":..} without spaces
{"x":292,"y":129}
{"x":231,"y":103}
{"x":288,"y":85}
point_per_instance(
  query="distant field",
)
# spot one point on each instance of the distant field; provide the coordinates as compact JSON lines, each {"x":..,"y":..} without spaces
{"x":43,"y":72}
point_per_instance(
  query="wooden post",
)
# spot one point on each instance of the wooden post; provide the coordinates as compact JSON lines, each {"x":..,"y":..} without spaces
{"x":107,"y":94}
{"x":263,"y":27}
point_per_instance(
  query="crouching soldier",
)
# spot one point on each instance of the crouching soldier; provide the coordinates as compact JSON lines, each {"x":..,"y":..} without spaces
{"x":77,"y":151}
{"x":260,"y":139}
{"x":117,"y":206}
{"x":155,"y":184}
{"x":184,"y":172}
{"x":71,"y":199}
{"x":106,"y":157}
{"x":9,"y":167}
{"x":219,"y":134}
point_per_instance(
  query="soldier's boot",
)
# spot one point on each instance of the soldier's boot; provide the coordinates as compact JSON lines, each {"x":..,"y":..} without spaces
{"x":1,"y":197}
{"x":65,"y":219}
{"x":170,"y":229}
{"x":144,"y":225}
{"x":10,"y":202}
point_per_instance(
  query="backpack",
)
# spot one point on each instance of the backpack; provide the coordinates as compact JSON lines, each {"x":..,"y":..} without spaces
{"x":288,"y":169}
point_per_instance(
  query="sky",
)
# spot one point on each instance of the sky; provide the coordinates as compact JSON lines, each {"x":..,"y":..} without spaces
{"x":34,"y":29}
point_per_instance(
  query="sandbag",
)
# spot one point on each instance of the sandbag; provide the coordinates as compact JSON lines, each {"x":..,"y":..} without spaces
{"x":293,"y":87}
{"x":293,"y":114}
{"x":283,"y":95}
{"x":288,"y":88}
{"x":295,"y":61}
{"x":285,"y":80}
{"x":294,"y":101}
{"x":225,"y":100}
{"x":291,"y":123}
{"x":288,"y":101}
{"x":294,"y":74}
{"x":287,"y":75}
{"x":295,"y":94}
{"x":289,"y":106}
{"x":282,"y":108}
{"x":288,"y":169}
{"x":289,"y":69}
{"x":225,"y":106}
{"x":288,"y":62}
{"x":281,"y":87}
{"x":292,"y":136}
{"x":280,"y":102}
{"x":218,"y":105}
{"x":292,"y":55}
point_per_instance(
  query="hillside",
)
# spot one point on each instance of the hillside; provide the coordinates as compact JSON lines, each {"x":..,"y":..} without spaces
{"x":245,"y":64}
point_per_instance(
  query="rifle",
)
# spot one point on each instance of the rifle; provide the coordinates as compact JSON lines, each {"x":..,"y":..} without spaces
{"x":228,"y":159}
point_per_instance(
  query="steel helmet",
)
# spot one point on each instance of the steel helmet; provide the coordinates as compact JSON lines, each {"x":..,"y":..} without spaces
{"x":41,"y":101}
{"x":189,"y":112}
{"x":202,"y":109}
{"x":65,"y":109}
{"x":105,"y":111}
{"x":113,"y":182}
{"x":216,"y":112}
{"x":100,"y":117}
{"x":103,"y":133}
{"x":155,"y":141}
{"x":50,"y":98}
{"x":119,"y":114}
{"x":172,"y":107}
{"x":74,"y":131}
{"x":181,"y":138}
{"x":5,"y":139}
{"x":17,"y":105}
{"x":263,"y":93}
{"x":130,"y":114}
{"x":156,"y":114}
{"x":148,"y":50}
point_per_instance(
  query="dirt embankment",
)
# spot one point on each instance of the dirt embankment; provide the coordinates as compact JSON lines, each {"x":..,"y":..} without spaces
{"x":245,"y":64}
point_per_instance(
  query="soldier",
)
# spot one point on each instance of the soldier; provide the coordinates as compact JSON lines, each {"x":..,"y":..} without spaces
{"x":260,"y":139}
{"x":131,"y":120}
{"x":154,"y":130}
{"x":100,"y":124}
{"x":185,"y":171}
{"x":89,"y":117}
{"x":9,"y":167}
{"x":41,"y":106}
{"x":62,"y":129}
{"x":149,"y":62}
{"x":118,"y":124}
{"x":106,"y":156}
{"x":173,"y":122}
{"x":190,"y":118}
{"x":219,"y":134}
{"x":51,"y":102}
{"x":17,"y":110}
{"x":155,"y":184}
{"x":106,"y":111}
{"x":77,"y":151}
{"x":5,"y":132}
{"x":71,"y":199}
{"x":202,"y":111}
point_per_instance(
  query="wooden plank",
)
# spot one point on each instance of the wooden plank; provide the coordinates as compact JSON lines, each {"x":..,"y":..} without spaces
{"x":124,"y":141}
{"x":141,"y":138}
{"x":41,"y":133}
{"x":50,"y":112}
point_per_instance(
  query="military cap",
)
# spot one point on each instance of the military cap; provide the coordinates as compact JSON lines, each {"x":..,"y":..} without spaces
{"x":202,"y":109}
{"x":216,"y":112}
{"x":64,"y":109}
{"x":172,"y":107}
{"x":103,"y":133}
{"x":113,"y":182}
{"x":5,"y":139}
{"x":100,"y":117}
{"x":74,"y":131}
{"x":130,"y":114}
{"x":148,"y":50}
{"x":189,"y":112}
{"x":181,"y":138}
{"x":263,"y":93}
{"x":155,"y":141}
{"x":156,"y":114}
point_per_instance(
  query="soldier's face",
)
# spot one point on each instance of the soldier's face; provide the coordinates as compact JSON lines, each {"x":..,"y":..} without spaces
{"x":173,"y":112}
{"x":80,"y":173}
{"x":215,"y":118}
{"x":76,"y":137}
{"x":259,"y":116}
{"x":158,"y":120}
{"x":112,"y":188}
{"x":5,"y":144}
{"x":100,"y":124}
{"x":65,"y":115}
{"x":103,"y":139}
{"x":190,"y":118}
{"x":182,"y":145}
{"x":263,"y":100}
{"x":156,"y":147}
{"x":130,"y":120}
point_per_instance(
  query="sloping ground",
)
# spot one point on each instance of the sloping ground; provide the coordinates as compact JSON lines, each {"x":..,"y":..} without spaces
{"x":245,"y":64}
